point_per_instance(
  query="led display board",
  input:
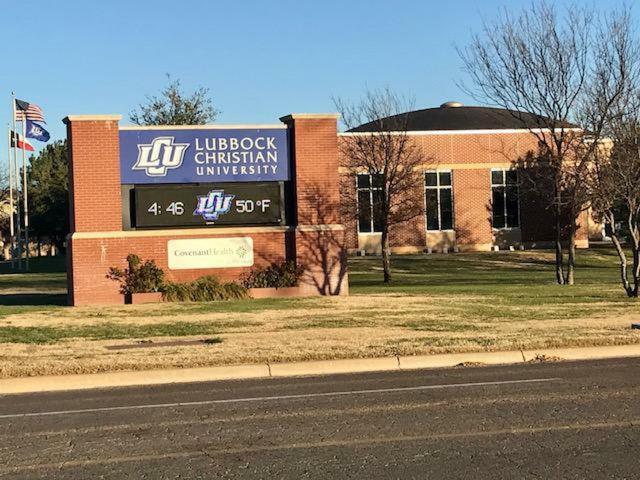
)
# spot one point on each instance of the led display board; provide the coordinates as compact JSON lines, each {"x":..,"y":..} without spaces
{"x":201,"y":205}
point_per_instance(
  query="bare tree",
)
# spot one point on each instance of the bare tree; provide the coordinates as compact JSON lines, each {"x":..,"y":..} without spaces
{"x":551,"y":64}
{"x":377,"y":143}
{"x":615,"y":189}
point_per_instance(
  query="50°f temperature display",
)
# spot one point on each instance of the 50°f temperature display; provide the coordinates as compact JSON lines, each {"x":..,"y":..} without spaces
{"x":208,"y":204}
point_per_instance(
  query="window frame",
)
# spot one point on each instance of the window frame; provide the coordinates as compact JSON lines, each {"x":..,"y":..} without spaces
{"x":504,"y":186}
{"x":370,"y":189}
{"x":438,"y":189}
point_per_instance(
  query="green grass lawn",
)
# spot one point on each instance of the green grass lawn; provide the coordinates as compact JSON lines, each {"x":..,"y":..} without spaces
{"x":521,"y":278}
{"x":490,"y":286}
{"x":517,"y":279}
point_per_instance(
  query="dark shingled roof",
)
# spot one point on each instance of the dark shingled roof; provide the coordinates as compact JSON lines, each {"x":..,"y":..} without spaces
{"x":460,"y":118}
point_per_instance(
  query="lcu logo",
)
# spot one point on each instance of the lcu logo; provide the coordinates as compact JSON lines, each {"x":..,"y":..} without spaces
{"x":213,"y":204}
{"x":159,"y":156}
{"x":35,"y":130}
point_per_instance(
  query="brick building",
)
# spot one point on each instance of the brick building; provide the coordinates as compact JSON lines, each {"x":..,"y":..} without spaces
{"x":469,"y":188}
{"x":469,"y":191}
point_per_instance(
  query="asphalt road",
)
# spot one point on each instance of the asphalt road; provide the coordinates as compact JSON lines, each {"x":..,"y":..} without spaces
{"x":553,"y":421}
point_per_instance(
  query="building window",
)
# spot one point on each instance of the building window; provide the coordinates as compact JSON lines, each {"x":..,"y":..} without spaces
{"x":438,"y":200}
{"x":370,"y":191}
{"x":505,"y":204}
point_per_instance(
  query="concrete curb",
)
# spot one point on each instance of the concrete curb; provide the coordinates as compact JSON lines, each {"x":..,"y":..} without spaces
{"x":324,"y":367}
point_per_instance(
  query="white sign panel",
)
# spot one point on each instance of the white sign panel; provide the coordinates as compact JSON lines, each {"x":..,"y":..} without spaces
{"x":210,"y":253}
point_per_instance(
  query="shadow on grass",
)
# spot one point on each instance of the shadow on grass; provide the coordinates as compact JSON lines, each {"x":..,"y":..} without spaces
{"x":43,"y":285}
{"x":16,"y":299}
{"x":55,"y":264}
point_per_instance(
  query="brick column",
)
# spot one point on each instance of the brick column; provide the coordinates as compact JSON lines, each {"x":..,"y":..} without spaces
{"x":582,"y":234}
{"x":94,"y":173}
{"x":319,"y":236}
{"x":95,"y":203}
{"x":472,"y":208}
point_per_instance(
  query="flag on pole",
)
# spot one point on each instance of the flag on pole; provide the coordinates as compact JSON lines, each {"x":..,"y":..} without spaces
{"x":28,"y":111}
{"x":18,"y":141}
{"x":34,"y":130}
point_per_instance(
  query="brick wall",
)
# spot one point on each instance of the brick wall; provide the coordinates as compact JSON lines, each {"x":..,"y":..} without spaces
{"x":93,"y":256}
{"x":470,"y":157}
{"x":411,"y":233}
{"x":582,"y":235}
{"x":472,"y":208}
{"x":348,"y":210}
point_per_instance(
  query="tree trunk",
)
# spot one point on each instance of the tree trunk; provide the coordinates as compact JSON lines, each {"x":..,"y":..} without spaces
{"x":623,"y":266}
{"x":558,"y":245}
{"x":386,"y":254}
{"x":636,"y":267}
{"x":571,"y":260}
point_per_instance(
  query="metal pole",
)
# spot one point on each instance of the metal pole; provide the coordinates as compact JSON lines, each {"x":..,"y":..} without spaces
{"x":25,"y":203}
{"x":17,"y":179}
{"x":11,"y":215}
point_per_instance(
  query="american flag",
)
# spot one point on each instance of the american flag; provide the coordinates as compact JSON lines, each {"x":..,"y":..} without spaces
{"x":29,"y":110}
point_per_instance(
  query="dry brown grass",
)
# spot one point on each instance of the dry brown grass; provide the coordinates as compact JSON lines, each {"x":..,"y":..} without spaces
{"x":359,"y":326}
{"x":437,"y":304}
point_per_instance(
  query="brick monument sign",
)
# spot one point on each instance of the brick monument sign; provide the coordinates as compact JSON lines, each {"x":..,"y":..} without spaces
{"x":203,"y":200}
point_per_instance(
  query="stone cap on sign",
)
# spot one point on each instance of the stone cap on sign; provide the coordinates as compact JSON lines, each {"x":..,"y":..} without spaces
{"x":182,"y":232}
{"x":309,"y":116}
{"x":92,"y":118}
{"x":214,"y":126}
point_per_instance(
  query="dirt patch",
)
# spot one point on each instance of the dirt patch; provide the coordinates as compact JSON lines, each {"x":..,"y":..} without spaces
{"x":173,"y":343}
{"x":470,"y":364}
{"x":541,"y":358}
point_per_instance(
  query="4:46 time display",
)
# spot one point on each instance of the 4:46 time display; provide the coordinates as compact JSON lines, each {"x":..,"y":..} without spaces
{"x":208,"y":205}
{"x":174,"y":208}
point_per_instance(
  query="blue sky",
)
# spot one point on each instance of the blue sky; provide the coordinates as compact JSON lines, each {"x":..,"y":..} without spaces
{"x":260,"y":59}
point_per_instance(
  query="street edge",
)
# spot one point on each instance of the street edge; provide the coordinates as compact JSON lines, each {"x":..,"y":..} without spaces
{"x":54,"y":383}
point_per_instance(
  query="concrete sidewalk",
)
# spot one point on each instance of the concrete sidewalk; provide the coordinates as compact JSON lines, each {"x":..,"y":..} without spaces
{"x":325,"y":367}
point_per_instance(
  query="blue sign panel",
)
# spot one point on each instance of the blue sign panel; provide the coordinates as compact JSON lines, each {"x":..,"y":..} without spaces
{"x":203,"y":155}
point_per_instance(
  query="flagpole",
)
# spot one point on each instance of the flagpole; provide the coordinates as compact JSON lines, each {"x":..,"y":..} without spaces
{"x":17,"y":179}
{"x":11,"y":215}
{"x":25,"y":202}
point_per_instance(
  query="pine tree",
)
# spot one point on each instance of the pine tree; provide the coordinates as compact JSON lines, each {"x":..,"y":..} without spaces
{"x":49,"y":193}
{"x":174,"y":107}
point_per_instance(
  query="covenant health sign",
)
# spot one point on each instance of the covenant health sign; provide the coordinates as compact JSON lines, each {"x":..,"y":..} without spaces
{"x":194,"y":155}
